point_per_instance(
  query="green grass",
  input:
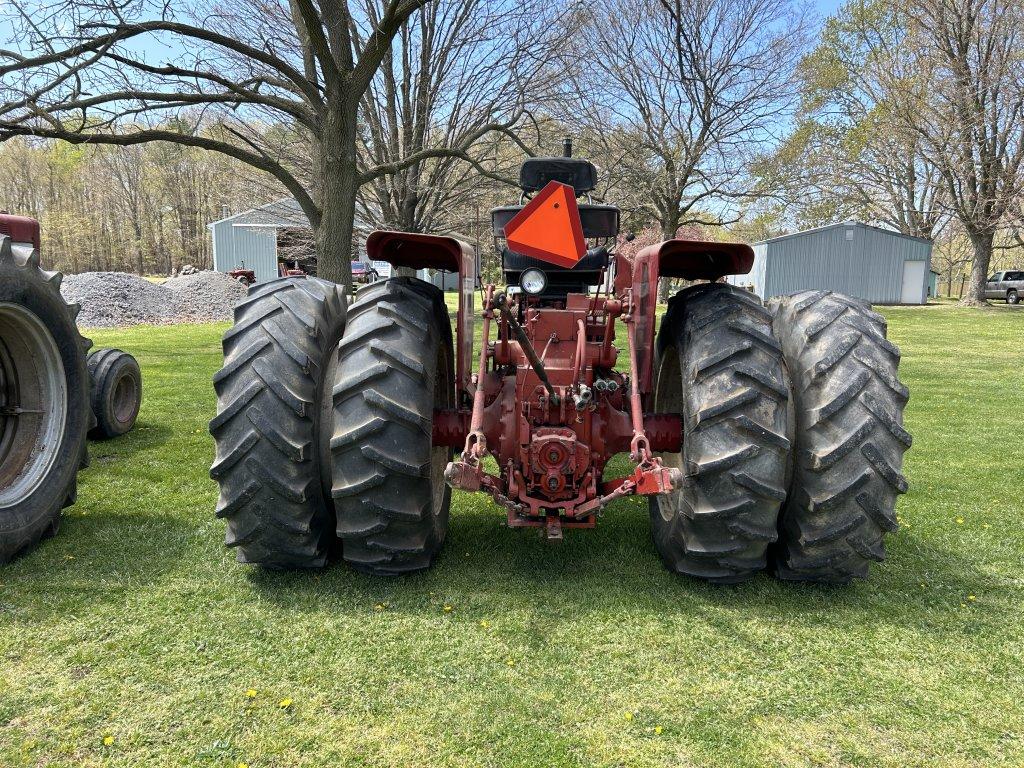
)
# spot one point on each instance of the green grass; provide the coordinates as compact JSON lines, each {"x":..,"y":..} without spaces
{"x":136,"y":623}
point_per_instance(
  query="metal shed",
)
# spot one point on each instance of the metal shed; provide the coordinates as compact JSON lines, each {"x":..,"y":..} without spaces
{"x":879,"y":265}
{"x":249,"y":240}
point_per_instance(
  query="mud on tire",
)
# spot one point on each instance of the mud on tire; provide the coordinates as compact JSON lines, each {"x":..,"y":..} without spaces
{"x":278,"y":368}
{"x":44,"y":400}
{"x":850,"y":439}
{"x":395,"y":368}
{"x":721,"y":369}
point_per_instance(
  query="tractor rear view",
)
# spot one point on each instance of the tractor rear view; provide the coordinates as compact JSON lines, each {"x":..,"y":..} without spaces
{"x":763,"y":436}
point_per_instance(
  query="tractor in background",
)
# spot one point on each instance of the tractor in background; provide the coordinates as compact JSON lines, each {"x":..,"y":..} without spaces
{"x":53,"y":392}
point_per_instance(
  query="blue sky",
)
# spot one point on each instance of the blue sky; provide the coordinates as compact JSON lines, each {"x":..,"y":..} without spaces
{"x":161,"y":51}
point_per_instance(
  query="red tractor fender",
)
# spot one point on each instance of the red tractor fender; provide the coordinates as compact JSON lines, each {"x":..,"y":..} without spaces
{"x":686,"y":259}
{"x":419,"y":251}
{"x":21,"y":229}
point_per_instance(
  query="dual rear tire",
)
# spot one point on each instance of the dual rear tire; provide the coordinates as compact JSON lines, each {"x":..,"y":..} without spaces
{"x":325,"y":422}
{"x":793,"y":435}
{"x":792,"y":430}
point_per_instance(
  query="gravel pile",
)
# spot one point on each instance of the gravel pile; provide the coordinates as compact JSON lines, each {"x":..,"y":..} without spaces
{"x":115,"y":299}
{"x":204,"y":296}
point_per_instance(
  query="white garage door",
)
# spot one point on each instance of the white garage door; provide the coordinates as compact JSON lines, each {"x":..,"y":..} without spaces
{"x":913,"y":282}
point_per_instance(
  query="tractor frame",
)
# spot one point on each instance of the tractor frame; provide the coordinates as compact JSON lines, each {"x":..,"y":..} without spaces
{"x":544,"y":398}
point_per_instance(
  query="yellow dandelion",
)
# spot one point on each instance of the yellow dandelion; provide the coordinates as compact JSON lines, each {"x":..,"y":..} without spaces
{"x":963,"y":605}
{"x":971,"y":598}
{"x":243,"y":765}
{"x":510,"y":662}
{"x":485,"y":624}
{"x":447,"y":609}
{"x":629,"y":716}
{"x":959,"y":521}
{"x":108,"y":740}
{"x":251,"y":693}
{"x":284,"y":703}
{"x":658,"y":729}
{"x":984,"y":525}
{"x":379,"y":607}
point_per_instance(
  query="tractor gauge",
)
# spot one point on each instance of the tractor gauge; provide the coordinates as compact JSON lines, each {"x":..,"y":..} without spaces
{"x":533,"y":281}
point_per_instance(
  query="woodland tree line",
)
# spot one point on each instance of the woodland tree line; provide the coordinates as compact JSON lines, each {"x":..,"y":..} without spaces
{"x":128,"y":128}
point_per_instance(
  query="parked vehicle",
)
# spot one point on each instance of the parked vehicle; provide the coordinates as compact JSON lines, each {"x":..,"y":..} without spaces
{"x":363,"y":272}
{"x":352,"y":426}
{"x":1008,"y":286}
{"x":45,"y":410}
{"x":246,"y":277}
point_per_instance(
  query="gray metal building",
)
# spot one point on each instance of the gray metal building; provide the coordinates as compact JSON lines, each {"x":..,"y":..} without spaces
{"x":879,"y":265}
{"x":248,"y":240}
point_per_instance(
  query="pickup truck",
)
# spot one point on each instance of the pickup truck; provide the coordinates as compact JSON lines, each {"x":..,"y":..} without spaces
{"x":1006,"y":285}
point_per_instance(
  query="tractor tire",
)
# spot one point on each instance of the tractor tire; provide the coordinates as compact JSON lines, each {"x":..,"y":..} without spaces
{"x":849,"y":441}
{"x":273,"y":422}
{"x":394,"y":370}
{"x":116,"y":392}
{"x":44,"y":400}
{"x":721,"y":369}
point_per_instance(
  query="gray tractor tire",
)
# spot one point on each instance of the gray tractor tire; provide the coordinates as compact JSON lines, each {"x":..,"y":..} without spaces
{"x":721,"y":369}
{"x":850,"y":438}
{"x":116,"y":392}
{"x":395,"y":369}
{"x":44,"y":400}
{"x":272,"y":425}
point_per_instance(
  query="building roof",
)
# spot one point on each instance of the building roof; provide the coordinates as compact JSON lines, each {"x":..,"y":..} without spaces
{"x":844,"y":224}
{"x":280,"y":214}
{"x":285,"y":213}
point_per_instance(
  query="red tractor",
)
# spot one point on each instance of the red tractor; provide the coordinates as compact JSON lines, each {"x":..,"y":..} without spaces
{"x":246,"y":277}
{"x":762,"y":436}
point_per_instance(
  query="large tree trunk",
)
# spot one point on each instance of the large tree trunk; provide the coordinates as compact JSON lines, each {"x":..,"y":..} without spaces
{"x":668,"y":232}
{"x":337,"y":186}
{"x":407,"y":223}
{"x":974,"y":296}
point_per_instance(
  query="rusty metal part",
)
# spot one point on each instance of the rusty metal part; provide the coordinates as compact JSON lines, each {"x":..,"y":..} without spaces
{"x":501,"y":302}
{"x":639,"y":447}
{"x":476,"y":442}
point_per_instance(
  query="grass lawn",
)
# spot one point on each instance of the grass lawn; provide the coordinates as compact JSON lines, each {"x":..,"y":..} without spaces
{"x":134,"y":639}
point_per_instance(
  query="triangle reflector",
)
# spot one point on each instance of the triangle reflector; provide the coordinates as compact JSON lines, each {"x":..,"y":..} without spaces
{"x":548,"y":228}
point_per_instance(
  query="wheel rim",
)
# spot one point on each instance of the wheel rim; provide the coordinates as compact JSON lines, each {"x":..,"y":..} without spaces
{"x":124,"y":399}
{"x":33,"y":403}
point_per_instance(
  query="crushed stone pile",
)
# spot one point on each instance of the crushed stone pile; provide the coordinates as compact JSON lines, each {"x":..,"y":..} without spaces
{"x":204,"y":296}
{"x":117,"y":299}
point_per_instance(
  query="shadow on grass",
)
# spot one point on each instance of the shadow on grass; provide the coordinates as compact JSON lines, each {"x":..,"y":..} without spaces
{"x":146,"y":435}
{"x":97,"y":558}
{"x":614,"y":570}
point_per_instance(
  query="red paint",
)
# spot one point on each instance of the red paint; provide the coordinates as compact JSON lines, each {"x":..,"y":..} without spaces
{"x":21,"y":229}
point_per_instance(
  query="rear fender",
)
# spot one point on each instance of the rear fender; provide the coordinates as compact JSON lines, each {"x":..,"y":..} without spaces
{"x":419,"y":251}
{"x":686,"y":259}
{"x":21,"y":229}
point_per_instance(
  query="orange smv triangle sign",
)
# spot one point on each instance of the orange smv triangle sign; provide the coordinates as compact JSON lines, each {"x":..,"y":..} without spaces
{"x":549,"y":227}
